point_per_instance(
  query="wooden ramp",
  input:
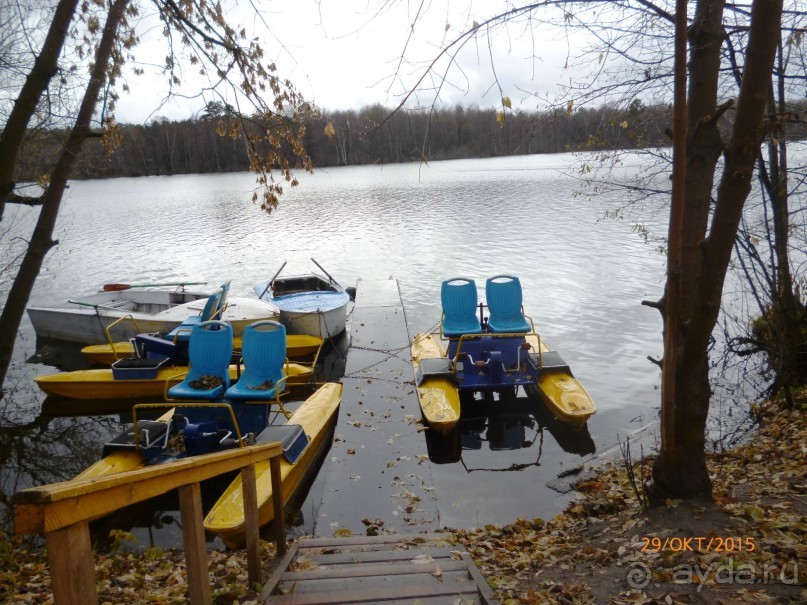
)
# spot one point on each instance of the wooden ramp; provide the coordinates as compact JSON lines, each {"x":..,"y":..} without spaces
{"x":390,"y":569}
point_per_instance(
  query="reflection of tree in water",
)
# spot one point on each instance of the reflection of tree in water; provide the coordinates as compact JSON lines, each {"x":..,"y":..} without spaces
{"x":36,"y":450}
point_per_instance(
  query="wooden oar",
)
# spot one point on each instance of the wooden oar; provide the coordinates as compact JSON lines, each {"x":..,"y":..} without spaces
{"x":118,"y":287}
{"x":269,"y":283}
{"x":326,"y":273}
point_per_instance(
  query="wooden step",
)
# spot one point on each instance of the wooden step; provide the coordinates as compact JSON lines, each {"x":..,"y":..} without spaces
{"x":395,"y":569}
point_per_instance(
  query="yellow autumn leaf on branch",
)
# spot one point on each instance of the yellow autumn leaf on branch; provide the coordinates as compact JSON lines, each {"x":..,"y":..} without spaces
{"x":329,"y":130}
{"x":506,"y":102}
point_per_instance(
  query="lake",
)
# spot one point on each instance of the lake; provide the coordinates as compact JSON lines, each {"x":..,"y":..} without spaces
{"x":583,"y":276}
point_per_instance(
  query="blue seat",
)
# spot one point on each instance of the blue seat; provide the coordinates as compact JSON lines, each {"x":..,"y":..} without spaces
{"x":263,"y":352}
{"x":209,"y":352}
{"x":503,"y":293}
{"x":458,"y":298}
{"x":213,"y":309}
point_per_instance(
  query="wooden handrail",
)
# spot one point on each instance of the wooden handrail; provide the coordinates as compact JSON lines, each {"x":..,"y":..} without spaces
{"x":62,"y":511}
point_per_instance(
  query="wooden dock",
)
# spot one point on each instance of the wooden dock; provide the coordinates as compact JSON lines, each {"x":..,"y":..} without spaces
{"x":389,"y":569}
{"x":378,"y":475}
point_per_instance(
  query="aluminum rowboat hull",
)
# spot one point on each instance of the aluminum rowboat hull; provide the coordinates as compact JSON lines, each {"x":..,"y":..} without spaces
{"x":87,"y":325}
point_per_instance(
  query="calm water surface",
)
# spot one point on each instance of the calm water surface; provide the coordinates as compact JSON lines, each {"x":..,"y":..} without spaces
{"x":583,"y":279}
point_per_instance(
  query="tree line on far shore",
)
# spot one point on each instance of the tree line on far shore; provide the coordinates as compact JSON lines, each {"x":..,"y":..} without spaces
{"x":372,"y":135}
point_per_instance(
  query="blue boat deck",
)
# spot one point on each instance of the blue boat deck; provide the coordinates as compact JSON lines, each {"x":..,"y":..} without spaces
{"x":310,"y":301}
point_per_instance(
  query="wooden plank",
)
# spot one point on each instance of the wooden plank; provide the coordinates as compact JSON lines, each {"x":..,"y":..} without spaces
{"x":374,"y":594}
{"x":443,"y":600}
{"x":72,"y":567}
{"x":377,"y":555}
{"x":391,"y":584}
{"x":484,"y":588}
{"x":273,"y":580}
{"x":279,"y":521}
{"x":382,"y":539}
{"x":193,"y":532}
{"x":50,"y":507}
{"x":372,"y":569}
{"x":251,"y":525}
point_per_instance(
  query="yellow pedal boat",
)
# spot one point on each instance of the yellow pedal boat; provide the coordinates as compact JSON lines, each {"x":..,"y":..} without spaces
{"x":102,"y":384}
{"x":562,"y":394}
{"x":317,"y":415}
{"x":297,"y":346}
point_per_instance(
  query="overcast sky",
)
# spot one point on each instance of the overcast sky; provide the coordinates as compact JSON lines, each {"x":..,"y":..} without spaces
{"x":344,"y":54}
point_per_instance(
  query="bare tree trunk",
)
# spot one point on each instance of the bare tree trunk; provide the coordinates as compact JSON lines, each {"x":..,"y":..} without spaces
{"x":784,"y":307}
{"x":680,"y":470}
{"x":36,"y":83}
{"x":41,"y":240}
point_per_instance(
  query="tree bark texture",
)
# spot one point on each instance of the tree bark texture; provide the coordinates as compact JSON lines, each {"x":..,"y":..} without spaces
{"x":680,"y":470}
{"x":36,"y":83}
{"x":41,"y":240}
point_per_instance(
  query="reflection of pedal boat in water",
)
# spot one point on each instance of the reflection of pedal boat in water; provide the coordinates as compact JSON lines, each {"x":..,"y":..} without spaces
{"x":494,"y":354}
{"x":516,"y":424}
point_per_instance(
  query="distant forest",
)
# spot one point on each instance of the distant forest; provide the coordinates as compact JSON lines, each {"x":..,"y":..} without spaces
{"x":367,"y":136}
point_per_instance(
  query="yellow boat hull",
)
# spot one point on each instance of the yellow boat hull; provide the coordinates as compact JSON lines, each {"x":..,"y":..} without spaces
{"x":119,"y":461}
{"x":101,"y":384}
{"x":297,"y":345}
{"x":564,"y":395}
{"x":317,"y":416}
{"x":438,"y":396}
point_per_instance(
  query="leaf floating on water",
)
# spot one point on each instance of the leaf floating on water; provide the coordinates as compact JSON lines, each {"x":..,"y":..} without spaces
{"x":343,"y":532}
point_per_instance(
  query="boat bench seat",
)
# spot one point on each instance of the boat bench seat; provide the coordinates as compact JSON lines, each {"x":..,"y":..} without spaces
{"x":120,"y":305}
{"x":292,"y":438}
{"x":434,"y":367}
{"x":551,"y":360}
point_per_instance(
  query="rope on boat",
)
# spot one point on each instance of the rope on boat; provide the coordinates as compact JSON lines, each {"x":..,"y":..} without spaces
{"x":388,"y":354}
